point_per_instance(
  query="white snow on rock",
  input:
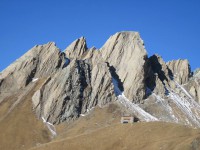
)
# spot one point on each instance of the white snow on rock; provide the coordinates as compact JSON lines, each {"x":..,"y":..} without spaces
{"x":182,"y":108}
{"x":34,"y":79}
{"x":50,"y":126}
{"x":188,"y":106}
{"x":187,"y":110}
{"x":87,"y":112}
{"x":134,"y":108}
{"x":89,"y":109}
{"x":184,"y":90}
{"x":183,"y":105}
{"x":166,"y":106}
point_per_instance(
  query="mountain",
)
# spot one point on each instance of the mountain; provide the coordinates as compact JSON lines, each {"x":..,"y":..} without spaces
{"x":46,"y":92}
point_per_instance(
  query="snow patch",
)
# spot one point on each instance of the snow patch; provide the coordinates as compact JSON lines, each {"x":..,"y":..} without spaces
{"x":34,"y":79}
{"x":89,"y":109}
{"x":87,"y":112}
{"x":188,"y":106}
{"x":166,"y":106}
{"x":50,"y":126}
{"x":184,"y":90}
{"x":134,"y":108}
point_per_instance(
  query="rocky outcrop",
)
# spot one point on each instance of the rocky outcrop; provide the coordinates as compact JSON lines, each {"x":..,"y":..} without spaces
{"x":81,"y":78}
{"x":167,"y":75}
{"x":158,"y":77}
{"x":76,"y":49}
{"x":125,"y":52}
{"x":193,"y":86}
{"x":74,"y":91}
{"x":180,"y":69}
{"x":197,"y":73}
{"x":159,"y":67}
{"x":61,"y":98}
{"x":39,"y":62}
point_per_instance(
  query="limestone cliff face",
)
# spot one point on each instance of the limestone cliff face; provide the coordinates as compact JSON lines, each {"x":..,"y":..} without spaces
{"x":159,"y":74}
{"x":180,"y":69}
{"x":76,"y":49}
{"x":74,"y":91}
{"x":197,"y":73}
{"x":125,"y":52}
{"x":193,"y":85}
{"x":164,"y":74}
{"x":172,"y":94}
{"x":76,"y":80}
{"x":40,"y":61}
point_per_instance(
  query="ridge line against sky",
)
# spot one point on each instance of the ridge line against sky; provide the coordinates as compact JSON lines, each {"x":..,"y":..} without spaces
{"x":168,"y":28}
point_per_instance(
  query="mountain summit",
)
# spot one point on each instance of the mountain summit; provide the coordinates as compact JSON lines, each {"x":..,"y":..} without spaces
{"x":60,"y":87}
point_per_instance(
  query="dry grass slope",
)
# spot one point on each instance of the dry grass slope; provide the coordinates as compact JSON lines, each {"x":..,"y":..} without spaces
{"x":101,"y":130}
{"x":20,"y":129}
{"x":139,"y":136}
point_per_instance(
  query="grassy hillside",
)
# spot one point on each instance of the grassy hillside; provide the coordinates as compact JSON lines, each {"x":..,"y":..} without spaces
{"x":144,"y":136}
{"x":101,"y":130}
{"x":98,"y":130}
{"x":19,"y":127}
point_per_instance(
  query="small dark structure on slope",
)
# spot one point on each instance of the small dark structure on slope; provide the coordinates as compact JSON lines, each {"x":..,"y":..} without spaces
{"x":127,"y":118}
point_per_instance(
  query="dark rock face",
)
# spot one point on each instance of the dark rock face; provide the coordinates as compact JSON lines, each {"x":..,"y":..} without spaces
{"x":159,"y":67}
{"x":63,"y":93}
{"x":158,"y":76}
{"x":72,"y":91}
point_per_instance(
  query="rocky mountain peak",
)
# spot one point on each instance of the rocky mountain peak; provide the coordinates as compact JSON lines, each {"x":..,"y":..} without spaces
{"x":40,"y":61}
{"x":45,"y":87}
{"x":76,"y":80}
{"x":76,"y":49}
{"x":126,"y":53}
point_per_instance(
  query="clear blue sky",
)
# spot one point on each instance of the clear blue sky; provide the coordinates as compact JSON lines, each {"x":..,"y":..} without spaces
{"x":170,"y":28}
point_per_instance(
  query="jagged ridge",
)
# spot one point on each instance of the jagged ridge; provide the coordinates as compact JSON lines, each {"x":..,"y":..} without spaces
{"x":81,"y":78}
